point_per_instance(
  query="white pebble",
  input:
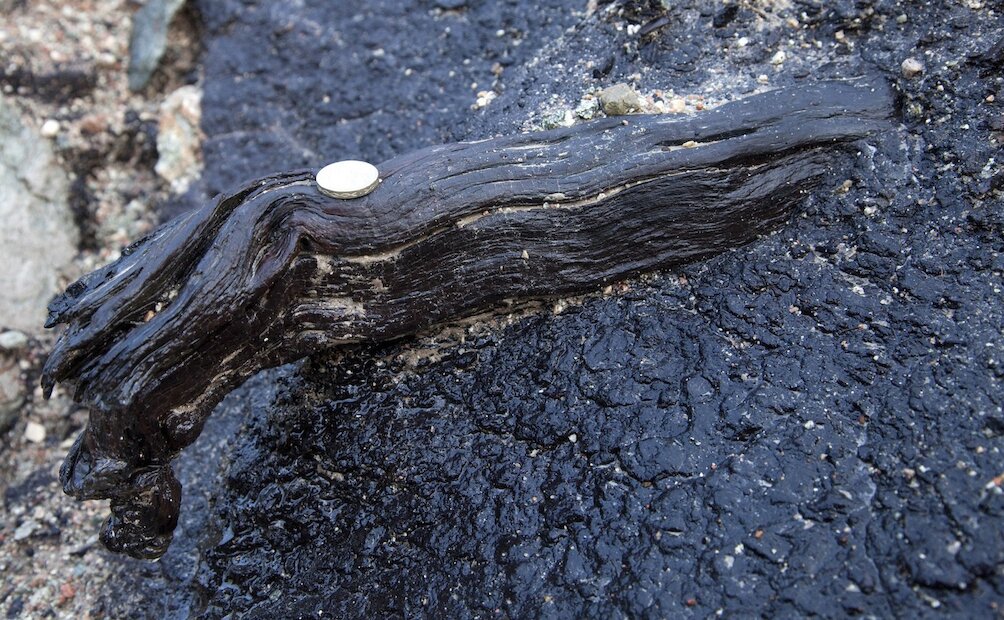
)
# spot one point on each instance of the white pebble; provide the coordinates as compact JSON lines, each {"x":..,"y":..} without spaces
{"x":34,"y":432}
{"x":912,"y":67}
{"x":348,"y":179}
{"x":13,"y":340}
{"x":778,"y":58}
{"x":50,"y":128}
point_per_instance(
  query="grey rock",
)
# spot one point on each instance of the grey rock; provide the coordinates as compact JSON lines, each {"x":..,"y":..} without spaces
{"x":179,"y":139}
{"x":587,"y":109}
{"x":13,"y":340}
{"x":620,"y":99}
{"x":912,"y":68}
{"x":149,"y":39}
{"x":557,"y":118}
{"x":12,"y":392}
{"x":25,"y":530}
{"x":38,"y":237}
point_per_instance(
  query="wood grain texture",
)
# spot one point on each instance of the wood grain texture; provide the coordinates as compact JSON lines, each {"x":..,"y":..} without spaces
{"x":276,"y":270}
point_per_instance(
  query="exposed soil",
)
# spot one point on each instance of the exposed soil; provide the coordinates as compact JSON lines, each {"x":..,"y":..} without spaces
{"x":63,"y":67}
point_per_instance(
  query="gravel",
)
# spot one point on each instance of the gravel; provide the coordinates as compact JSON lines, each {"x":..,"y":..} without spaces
{"x":64,"y":75}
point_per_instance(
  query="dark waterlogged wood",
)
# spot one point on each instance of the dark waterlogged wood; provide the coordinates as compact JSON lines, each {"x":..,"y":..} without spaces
{"x":277,"y":270}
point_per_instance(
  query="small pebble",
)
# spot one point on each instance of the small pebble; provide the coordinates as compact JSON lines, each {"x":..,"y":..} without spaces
{"x":587,"y":108}
{"x":13,"y":340}
{"x":93,"y":124}
{"x":484,"y":97}
{"x":557,"y":118}
{"x":902,"y":19}
{"x":348,"y":179}
{"x":34,"y":432}
{"x":677,"y":106}
{"x":620,"y":99}
{"x":50,"y":128}
{"x":778,"y":58}
{"x":25,"y":530}
{"x":912,"y":67}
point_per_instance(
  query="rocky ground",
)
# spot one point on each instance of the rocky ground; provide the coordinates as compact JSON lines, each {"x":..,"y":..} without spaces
{"x":83,"y":162}
{"x":810,"y":425}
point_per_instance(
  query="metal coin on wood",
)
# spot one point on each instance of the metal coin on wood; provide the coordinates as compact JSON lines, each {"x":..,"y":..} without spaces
{"x":348,"y":179}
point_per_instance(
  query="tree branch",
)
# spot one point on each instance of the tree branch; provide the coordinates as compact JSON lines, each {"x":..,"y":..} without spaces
{"x":277,"y":270}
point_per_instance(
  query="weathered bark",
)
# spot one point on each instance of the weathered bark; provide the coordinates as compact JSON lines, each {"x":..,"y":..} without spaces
{"x":277,"y":270}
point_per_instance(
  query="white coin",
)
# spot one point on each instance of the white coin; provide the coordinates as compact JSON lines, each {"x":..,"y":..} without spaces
{"x":348,"y":179}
